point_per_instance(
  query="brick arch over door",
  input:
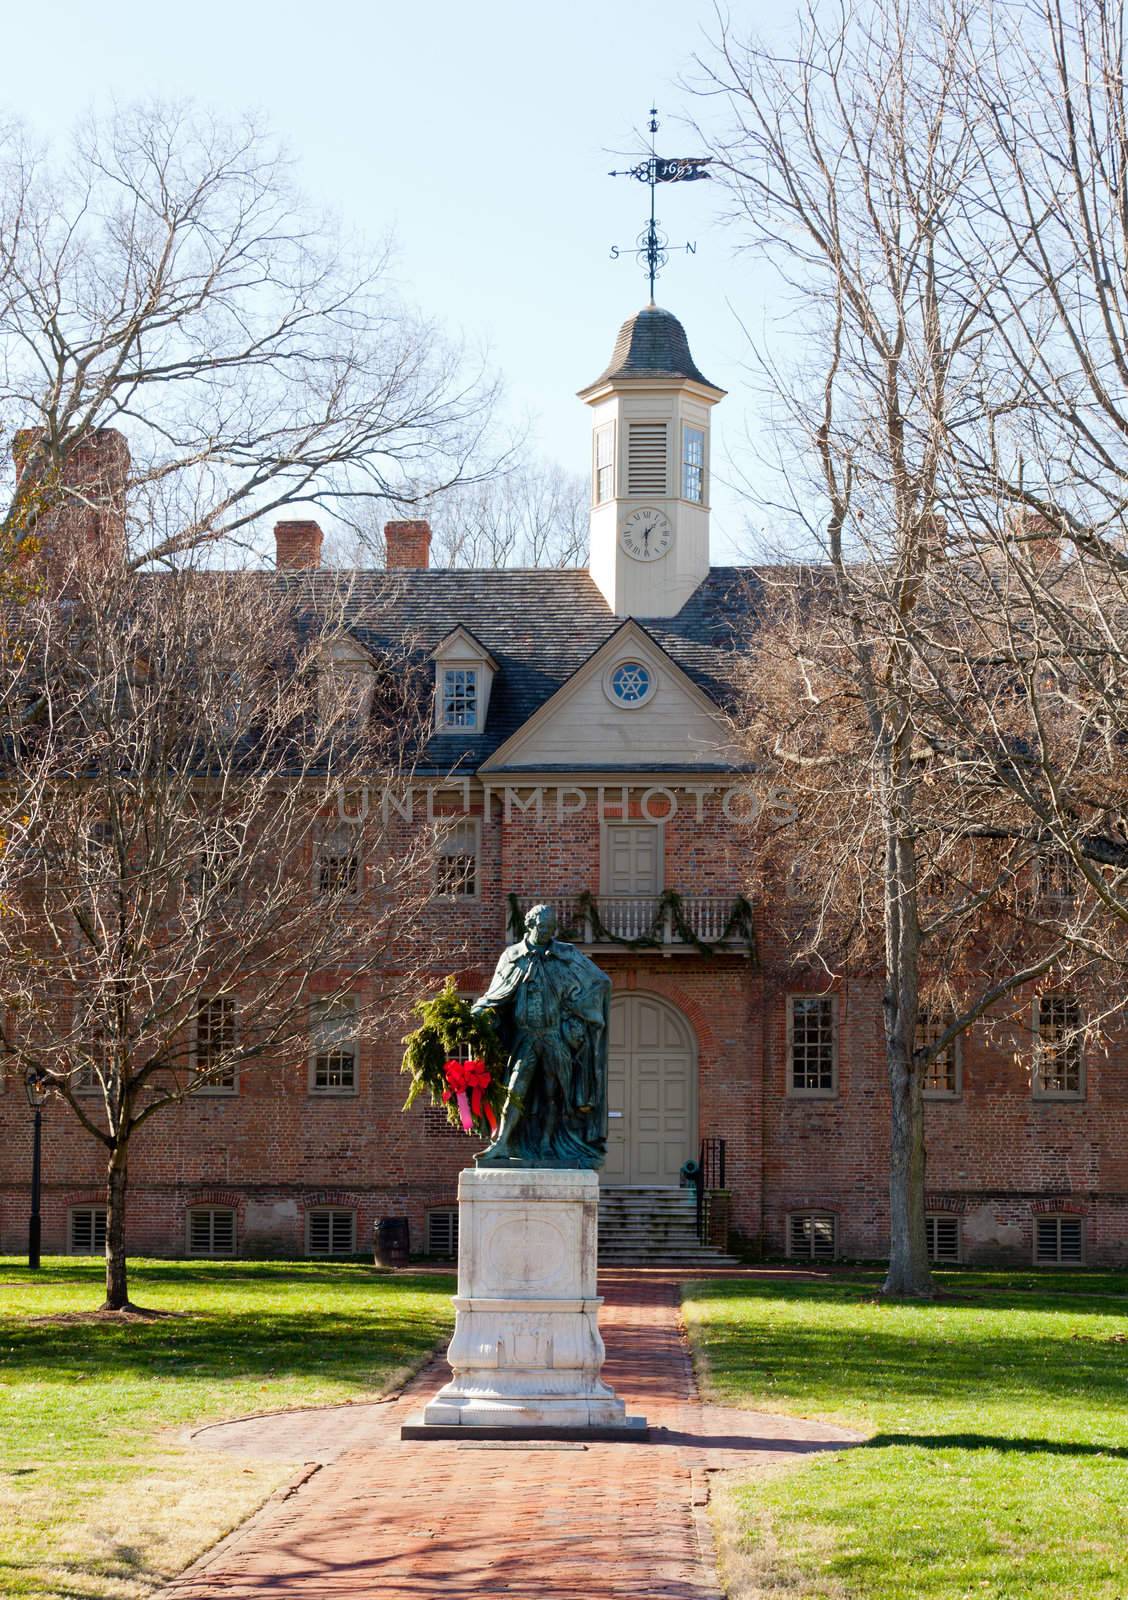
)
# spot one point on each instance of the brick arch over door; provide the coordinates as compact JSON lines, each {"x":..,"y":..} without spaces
{"x":651,"y":1090}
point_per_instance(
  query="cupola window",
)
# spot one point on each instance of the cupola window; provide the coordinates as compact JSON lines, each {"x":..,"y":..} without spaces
{"x":693,"y":464}
{"x":604,"y":463}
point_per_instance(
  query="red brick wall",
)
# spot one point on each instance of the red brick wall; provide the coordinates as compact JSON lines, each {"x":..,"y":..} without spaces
{"x":995,"y":1155}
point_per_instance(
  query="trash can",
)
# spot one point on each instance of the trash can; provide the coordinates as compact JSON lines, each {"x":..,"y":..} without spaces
{"x":392,"y":1242}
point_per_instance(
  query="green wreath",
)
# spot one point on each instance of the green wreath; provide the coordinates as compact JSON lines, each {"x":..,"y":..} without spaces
{"x":449,"y":1031}
{"x":740,"y":922}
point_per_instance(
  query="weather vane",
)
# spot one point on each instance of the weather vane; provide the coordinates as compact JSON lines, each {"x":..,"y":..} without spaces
{"x":652,"y":247}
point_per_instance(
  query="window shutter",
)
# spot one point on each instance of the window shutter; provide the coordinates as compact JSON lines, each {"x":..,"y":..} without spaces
{"x":442,"y":1232}
{"x":88,"y":1231}
{"x":943,"y":1235}
{"x":1058,"y":1241}
{"x":332,"y":1233}
{"x":211,"y":1233}
{"x":813,"y":1237}
{"x":646,"y":458}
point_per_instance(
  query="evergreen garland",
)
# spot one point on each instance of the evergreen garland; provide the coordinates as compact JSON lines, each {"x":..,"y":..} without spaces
{"x":447,"y":1025}
{"x":740,"y":922}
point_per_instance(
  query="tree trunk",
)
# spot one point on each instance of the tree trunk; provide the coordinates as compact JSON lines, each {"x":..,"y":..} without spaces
{"x":909,"y":1272}
{"x":117,"y":1289}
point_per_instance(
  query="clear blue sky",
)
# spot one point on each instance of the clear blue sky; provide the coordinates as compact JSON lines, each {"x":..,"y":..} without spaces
{"x":481,"y":135}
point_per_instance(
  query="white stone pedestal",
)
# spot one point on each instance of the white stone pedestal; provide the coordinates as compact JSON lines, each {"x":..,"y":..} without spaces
{"x":526,"y":1352}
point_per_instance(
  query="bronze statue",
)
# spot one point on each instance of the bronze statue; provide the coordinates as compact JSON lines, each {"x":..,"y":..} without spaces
{"x":551,"y":1005}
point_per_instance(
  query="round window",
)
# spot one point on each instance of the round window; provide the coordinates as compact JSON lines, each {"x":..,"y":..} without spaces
{"x":631,"y":682}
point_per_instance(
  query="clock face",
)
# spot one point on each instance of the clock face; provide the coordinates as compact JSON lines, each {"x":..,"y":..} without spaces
{"x":647,"y":534}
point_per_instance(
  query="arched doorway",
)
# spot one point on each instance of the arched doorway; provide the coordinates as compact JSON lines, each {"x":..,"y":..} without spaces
{"x":651,"y":1091}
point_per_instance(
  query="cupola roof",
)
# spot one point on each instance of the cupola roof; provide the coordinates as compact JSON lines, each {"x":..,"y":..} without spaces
{"x":652,"y":344}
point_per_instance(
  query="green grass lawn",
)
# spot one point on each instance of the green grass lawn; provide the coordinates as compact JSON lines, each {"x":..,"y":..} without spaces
{"x":99,"y":1498}
{"x":998,"y":1462}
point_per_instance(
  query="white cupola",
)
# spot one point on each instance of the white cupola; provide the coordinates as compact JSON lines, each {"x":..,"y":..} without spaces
{"x":650,"y":469}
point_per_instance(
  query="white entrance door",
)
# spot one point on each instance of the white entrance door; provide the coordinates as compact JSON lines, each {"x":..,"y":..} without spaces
{"x":633,"y":862}
{"x":651,"y":1092}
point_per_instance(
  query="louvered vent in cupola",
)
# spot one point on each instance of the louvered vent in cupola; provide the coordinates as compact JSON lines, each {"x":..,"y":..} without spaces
{"x":646,"y":458}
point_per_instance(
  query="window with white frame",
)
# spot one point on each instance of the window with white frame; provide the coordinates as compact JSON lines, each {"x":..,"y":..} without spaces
{"x":459,"y":698}
{"x":942,"y":1233}
{"x":211,"y":1231}
{"x":337,"y":861}
{"x":442,"y":1231}
{"x":693,"y":464}
{"x":812,"y":1043}
{"x":216,"y":875}
{"x":1058,"y":1064}
{"x":330,"y":1232}
{"x":456,"y":865}
{"x":941,"y":1076}
{"x":1057,"y":879}
{"x":812,"y":1235}
{"x":604,"y":485}
{"x":1059,"y":1241}
{"x":333,"y":1057}
{"x":215,"y":1039}
{"x":86,"y":1231}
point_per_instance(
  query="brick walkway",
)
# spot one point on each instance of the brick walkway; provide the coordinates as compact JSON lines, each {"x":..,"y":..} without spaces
{"x":386,"y":1518}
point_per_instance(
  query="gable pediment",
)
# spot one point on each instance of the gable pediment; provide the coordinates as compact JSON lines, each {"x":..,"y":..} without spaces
{"x":629,"y":705}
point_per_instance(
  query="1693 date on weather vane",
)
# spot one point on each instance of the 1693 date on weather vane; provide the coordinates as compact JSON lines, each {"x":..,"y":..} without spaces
{"x":652,"y":247}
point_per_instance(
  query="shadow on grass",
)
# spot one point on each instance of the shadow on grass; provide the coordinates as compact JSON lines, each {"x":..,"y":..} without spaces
{"x":367,"y":1321}
{"x":832,"y":1343}
{"x":990,"y":1441}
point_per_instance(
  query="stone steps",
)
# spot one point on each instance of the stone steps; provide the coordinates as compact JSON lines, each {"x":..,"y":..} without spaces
{"x":653,"y":1225}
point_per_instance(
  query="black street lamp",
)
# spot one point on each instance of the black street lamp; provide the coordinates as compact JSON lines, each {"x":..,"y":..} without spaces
{"x":38,"y":1087}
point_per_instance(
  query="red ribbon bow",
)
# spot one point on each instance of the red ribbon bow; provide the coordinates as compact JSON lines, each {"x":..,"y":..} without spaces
{"x":468,"y":1081}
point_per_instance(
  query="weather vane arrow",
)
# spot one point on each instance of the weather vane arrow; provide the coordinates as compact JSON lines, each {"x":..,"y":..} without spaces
{"x":652,"y":246}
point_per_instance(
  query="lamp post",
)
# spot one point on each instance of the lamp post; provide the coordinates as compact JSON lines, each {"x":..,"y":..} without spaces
{"x":38,"y":1088}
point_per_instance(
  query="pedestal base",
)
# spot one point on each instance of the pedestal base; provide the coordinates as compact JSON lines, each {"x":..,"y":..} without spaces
{"x":526,"y":1353}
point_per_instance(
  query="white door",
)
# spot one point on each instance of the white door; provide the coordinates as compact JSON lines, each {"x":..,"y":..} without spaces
{"x":651,"y":1092}
{"x":633,"y":861}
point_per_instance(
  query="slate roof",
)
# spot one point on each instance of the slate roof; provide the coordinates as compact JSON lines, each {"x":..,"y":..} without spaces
{"x":540,"y":626}
{"x":652,"y":344}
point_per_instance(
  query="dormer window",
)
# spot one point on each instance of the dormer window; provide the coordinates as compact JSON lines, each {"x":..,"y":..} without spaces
{"x":460,"y":697}
{"x":347,"y":685}
{"x":464,"y":674}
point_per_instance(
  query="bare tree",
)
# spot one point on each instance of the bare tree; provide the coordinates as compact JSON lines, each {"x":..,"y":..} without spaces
{"x":184,"y":899}
{"x":850,"y":162}
{"x":1041,"y":460}
{"x":164,"y":278}
{"x":531,"y":514}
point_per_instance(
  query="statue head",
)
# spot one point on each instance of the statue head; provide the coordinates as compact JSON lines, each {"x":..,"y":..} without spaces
{"x":540,"y":925}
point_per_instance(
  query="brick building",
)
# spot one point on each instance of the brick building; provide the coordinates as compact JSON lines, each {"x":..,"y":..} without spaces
{"x":579,"y":749}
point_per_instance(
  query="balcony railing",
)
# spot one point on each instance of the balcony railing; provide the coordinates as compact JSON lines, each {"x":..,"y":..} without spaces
{"x":606,"y":921}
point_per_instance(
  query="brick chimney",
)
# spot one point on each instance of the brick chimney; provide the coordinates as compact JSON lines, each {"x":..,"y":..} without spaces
{"x":298,"y":545}
{"x":1037,"y":535}
{"x":408,"y":543}
{"x":76,"y":505}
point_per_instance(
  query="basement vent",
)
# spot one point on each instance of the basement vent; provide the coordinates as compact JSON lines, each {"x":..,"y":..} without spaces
{"x":211,"y":1232}
{"x":812,"y":1237}
{"x":86,"y":1231}
{"x":331,"y":1233}
{"x":646,"y":458}
{"x":442,"y":1232}
{"x":943,"y":1235}
{"x":1058,"y":1241}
